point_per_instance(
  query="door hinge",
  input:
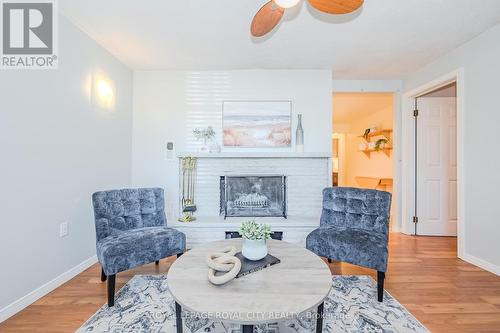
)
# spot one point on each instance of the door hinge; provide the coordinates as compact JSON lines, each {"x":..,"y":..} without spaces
{"x":415,"y":113}
{"x":415,"y":219}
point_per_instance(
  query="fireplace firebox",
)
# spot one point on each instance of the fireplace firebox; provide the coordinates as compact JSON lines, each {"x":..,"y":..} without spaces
{"x":253,"y":196}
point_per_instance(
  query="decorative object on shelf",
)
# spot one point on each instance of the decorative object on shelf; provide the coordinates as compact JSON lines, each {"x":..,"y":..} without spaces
{"x":365,"y":135}
{"x":188,"y":188}
{"x":254,"y":124}
{"x":376,"y":140}
{"x":380,"y":144}
{"x":369,"y":131}
{"x":223,"y":262}
{"x":299,"y":136}
{"x":254,"y":239}
{"x":204,"y":134}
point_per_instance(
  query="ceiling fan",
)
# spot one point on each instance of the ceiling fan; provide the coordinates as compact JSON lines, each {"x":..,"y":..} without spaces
{"x":271,"y":13}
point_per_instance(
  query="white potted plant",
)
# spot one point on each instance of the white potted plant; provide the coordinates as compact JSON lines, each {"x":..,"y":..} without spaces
{"x":254,"y":236}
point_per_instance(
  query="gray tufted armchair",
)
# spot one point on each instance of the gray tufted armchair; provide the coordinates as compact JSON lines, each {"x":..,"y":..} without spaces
{"x":131,"y":229}
{"x":354,"y":228}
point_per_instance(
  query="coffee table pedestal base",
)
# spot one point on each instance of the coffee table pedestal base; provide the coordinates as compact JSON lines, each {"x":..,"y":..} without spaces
{"x":319,"y":319}
{"x":248,"y":328}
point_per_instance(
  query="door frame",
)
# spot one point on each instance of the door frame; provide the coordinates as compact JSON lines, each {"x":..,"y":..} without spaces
{"x":383,"y":86}
{"x":341,"y":156}
{"x":408,"y":156}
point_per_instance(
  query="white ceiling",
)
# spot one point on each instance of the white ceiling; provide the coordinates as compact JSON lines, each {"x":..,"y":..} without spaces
{"x":386,"y":39}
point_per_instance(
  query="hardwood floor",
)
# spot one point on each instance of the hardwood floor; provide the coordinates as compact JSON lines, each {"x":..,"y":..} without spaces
{"x":445,"y":293}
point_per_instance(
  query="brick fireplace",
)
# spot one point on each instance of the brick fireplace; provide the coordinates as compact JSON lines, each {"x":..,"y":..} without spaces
{"x":283,"y":189}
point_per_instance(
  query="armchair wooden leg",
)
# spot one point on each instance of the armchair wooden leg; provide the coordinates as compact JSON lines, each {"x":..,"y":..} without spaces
{"x":103,"y":276}
{"x":157,"y":262}
{"x":111,"y":290}
{"x":380,"y":286}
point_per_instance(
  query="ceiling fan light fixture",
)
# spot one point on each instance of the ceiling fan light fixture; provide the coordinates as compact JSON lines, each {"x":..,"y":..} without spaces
{"x":286,"y":3}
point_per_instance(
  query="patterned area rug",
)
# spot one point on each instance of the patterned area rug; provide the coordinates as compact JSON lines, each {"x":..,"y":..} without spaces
{"x":145,"y":304}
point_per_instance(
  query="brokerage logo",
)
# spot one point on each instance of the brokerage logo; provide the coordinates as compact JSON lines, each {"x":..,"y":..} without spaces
{"x":29,"y":39}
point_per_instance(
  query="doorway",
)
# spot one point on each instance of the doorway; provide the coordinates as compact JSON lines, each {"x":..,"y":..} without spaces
{"x":409,"y":164}
{"x":363,"y":142}
{"x":435,"y":150}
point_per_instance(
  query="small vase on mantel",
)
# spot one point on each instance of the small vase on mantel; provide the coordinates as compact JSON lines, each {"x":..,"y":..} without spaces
{"x":205,"y":148}
{"x":299,"y":136}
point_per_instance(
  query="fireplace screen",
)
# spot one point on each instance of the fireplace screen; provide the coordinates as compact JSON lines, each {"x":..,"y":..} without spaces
{"x":253,"y":196}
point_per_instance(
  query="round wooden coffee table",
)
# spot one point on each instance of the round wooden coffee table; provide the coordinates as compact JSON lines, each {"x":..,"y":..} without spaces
{"x":299,"y":283}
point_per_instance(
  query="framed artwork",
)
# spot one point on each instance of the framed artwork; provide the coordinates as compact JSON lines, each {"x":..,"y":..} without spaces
{"x":255,"y":124}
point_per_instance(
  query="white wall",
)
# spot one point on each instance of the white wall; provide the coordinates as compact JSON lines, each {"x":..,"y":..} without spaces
{"x":169,"y":104}
{"x":378,"y":164}
{"x":56,"y":149}
{"x":479,"y":59}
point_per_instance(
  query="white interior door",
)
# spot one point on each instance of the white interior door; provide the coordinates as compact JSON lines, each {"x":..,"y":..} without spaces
{"x":437,"y":166}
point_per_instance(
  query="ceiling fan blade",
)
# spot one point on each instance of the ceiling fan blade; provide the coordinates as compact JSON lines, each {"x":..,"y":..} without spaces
{"x":266,"y":19}
{"x":336,"y":6}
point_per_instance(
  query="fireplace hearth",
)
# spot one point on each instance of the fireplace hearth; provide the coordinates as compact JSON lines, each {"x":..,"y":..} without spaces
{"x":253,"y":196}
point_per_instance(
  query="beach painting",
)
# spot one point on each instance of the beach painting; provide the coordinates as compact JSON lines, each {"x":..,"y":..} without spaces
{"x":257,"y":124}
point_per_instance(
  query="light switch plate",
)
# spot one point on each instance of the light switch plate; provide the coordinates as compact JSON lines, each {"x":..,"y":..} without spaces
{"x":170,"y":152}
{"x":63,"y":229}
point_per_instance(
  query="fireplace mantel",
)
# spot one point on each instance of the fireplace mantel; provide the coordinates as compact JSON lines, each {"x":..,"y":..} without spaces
{"x":211,"y":228}
{"x":260,"y":154}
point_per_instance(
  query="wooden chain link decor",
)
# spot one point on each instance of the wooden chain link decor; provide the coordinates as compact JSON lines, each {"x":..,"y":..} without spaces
{"x":223,"y":262}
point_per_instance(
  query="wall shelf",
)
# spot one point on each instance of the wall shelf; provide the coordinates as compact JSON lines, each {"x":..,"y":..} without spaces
{"x":374,"y":183}
{"x":374,"y":137}
{"x":386,"y":133}
{"x":386,"y":150}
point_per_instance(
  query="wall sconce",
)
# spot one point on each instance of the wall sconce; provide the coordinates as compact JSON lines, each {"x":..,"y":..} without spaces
{"x":103,"y":92}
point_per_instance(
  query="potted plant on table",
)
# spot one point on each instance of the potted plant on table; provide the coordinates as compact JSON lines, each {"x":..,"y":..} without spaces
{"x":254,"y":236}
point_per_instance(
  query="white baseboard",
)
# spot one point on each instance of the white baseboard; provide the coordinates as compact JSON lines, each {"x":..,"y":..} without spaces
{"x":488,"y":266}
{"x":38,"y":293}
